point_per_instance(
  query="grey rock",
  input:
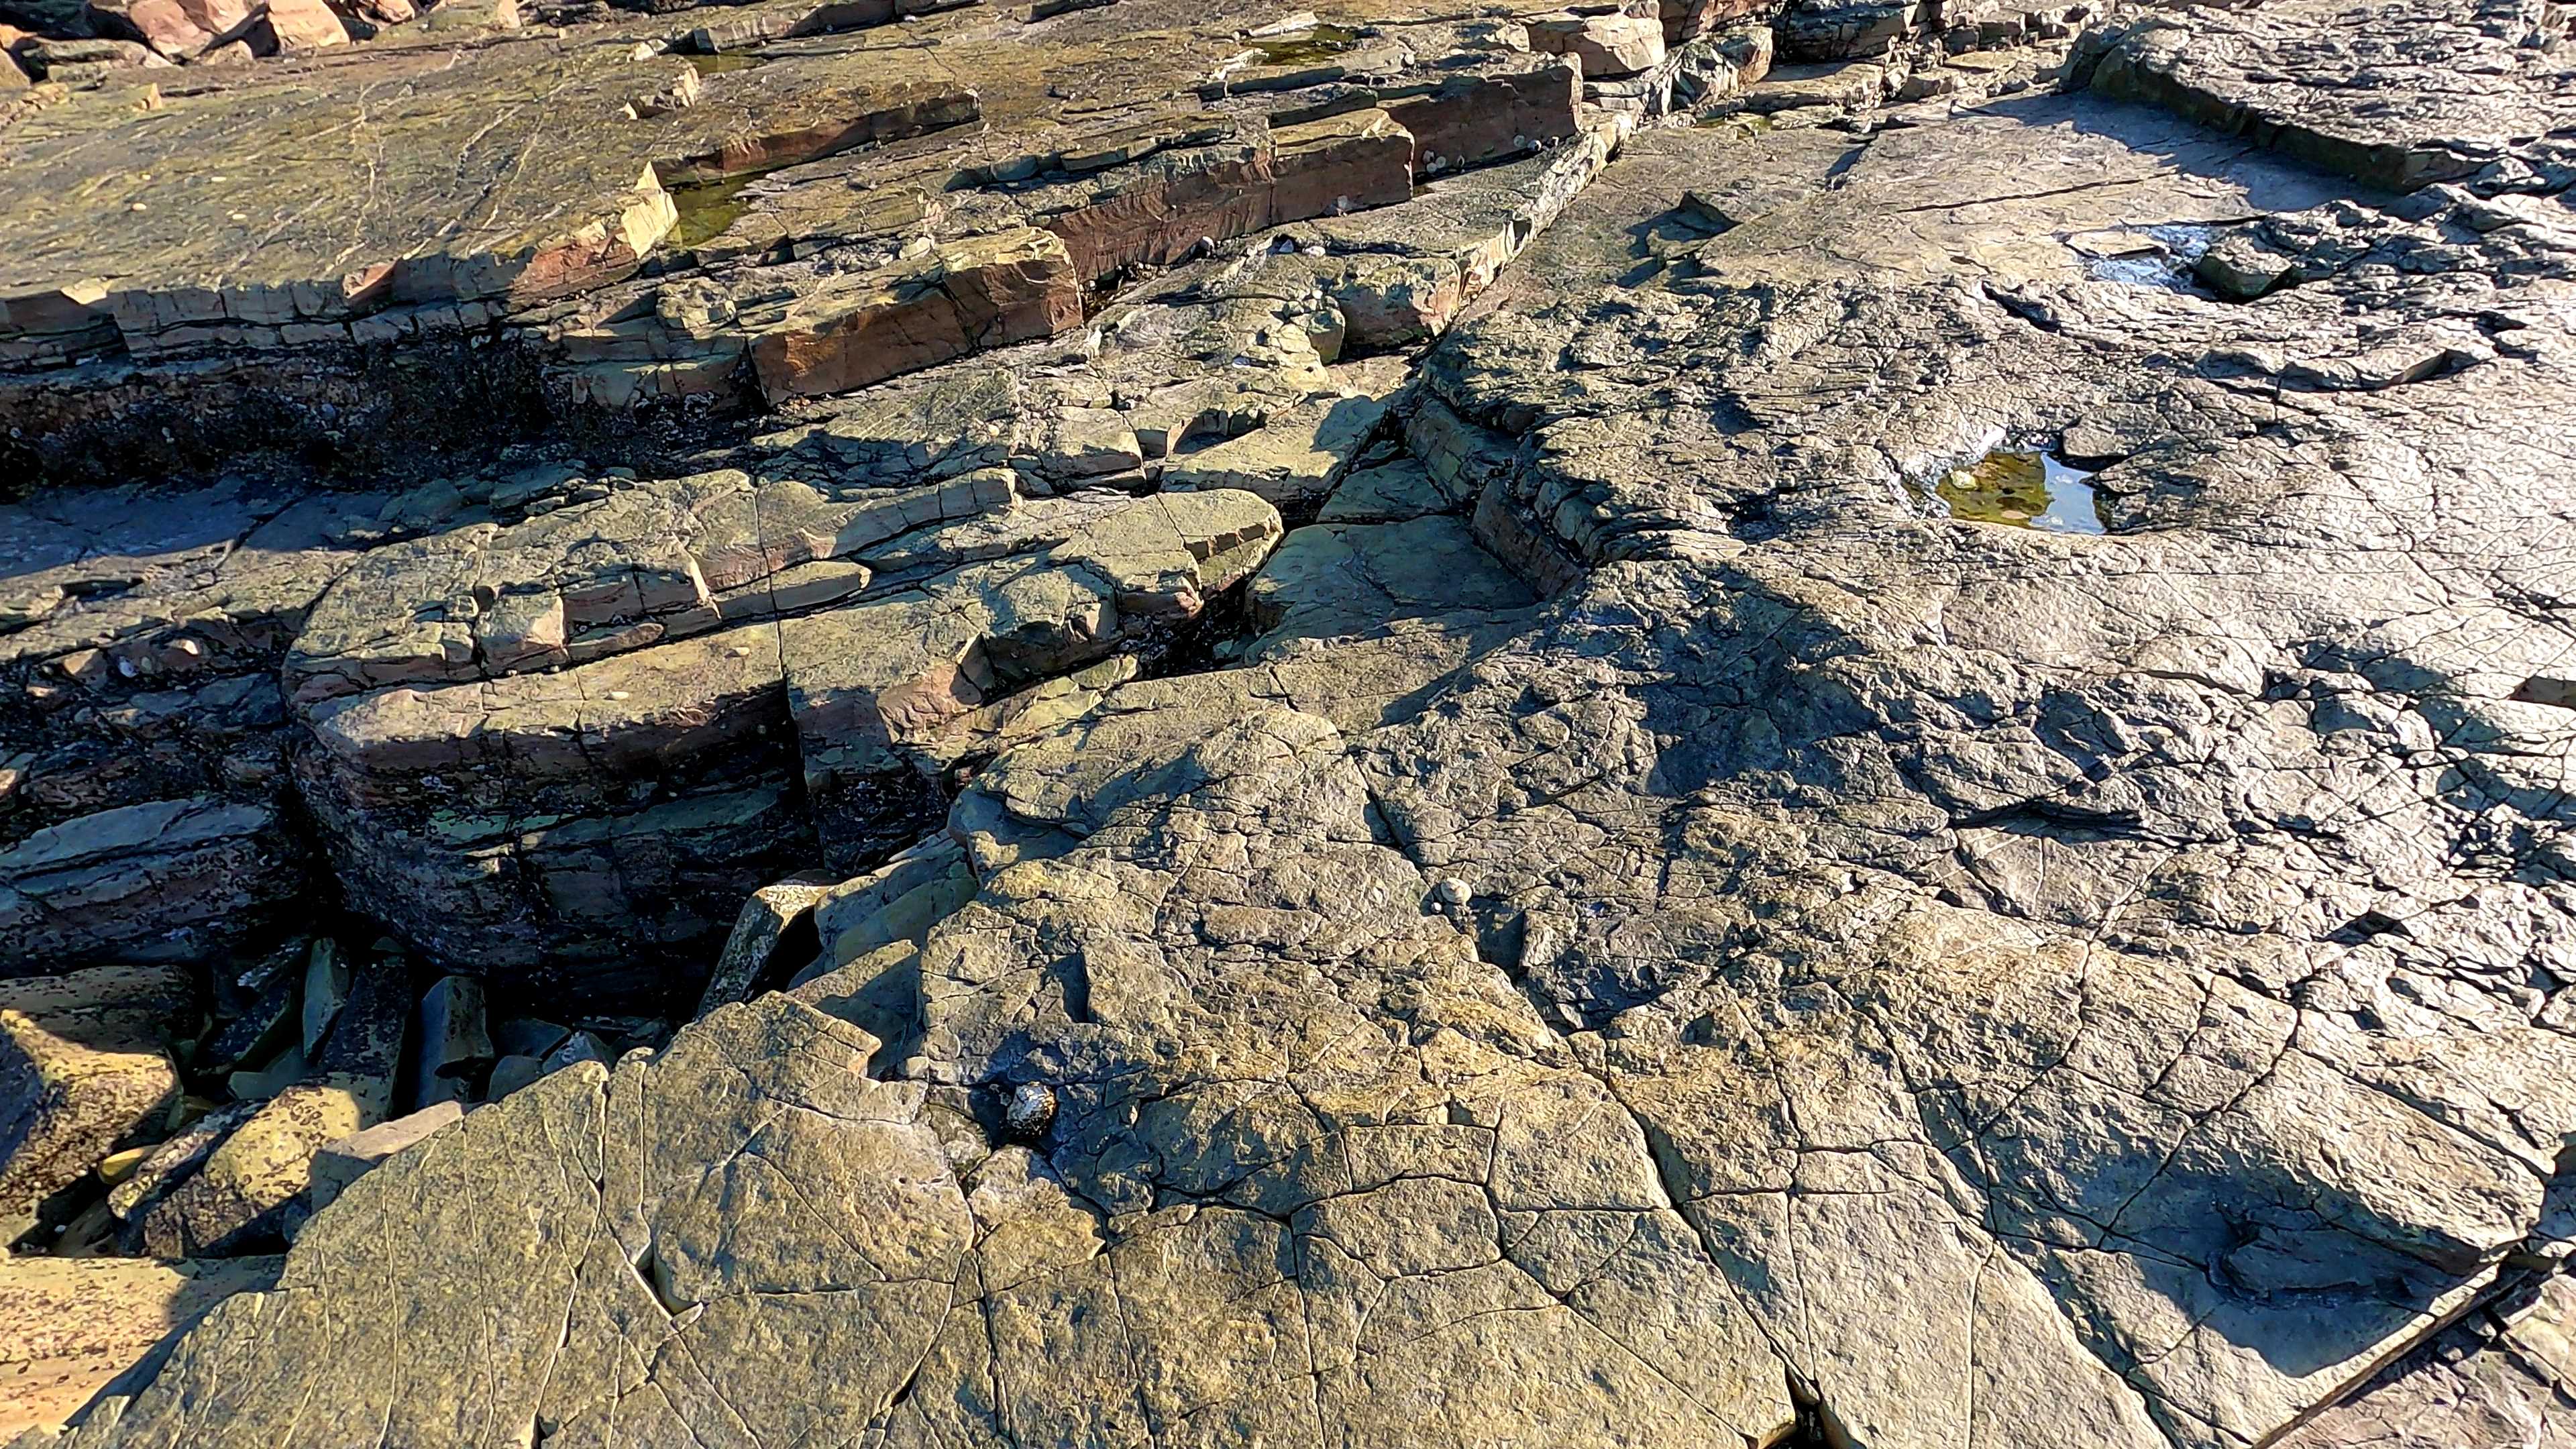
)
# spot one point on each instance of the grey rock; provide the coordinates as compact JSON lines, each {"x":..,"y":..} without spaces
{"x":752,"y":952}
{"x":511,"y":1073}
{"x":1031,"y":1111}
{"x":173,"y":1162}
{"x":453,"y":1042}
{"x":527,"y":1036}
{"x":271,"y":1076}
{"x":367,"y":1033}
{"x":246,"y":1195}
{"x":577,"y":1048}
{"x":265,"y":1027}
{"x":326,"y":992}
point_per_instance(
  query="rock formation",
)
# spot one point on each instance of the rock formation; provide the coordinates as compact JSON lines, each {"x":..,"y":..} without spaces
{"x":1126,"y":723}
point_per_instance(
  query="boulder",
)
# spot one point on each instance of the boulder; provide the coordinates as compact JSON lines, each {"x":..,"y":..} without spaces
{"x":580,"y":1047}
{"x":290,"y":27}
{"x":171,"y":880}
{"x":265,"y":1028}
{"x":884,"y":692}
{"x":216,"y":17}
{"x":84,"y":1070}
{"x":172,"y":1162}
{"x":271,"y":1076}
{"x":526,"y":1036}
{"x":164,"y":25}
{"x":367,"y":1034}
{"x":76,"y":60}
{"x":377,"y":14}
{"x":2379,"y":105}
{"x":510,"y":1073}
{"x":1829,"y":30}
{"x":246,"y":1196}
{"x":453,"y":1044}
{"x":326,"y":992}
{"x":1607,"y":46}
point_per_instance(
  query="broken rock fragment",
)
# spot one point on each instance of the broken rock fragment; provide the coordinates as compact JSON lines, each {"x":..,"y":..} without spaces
{"x":84,"y":1070}
{"x":452,"y":1044}
{"x":972,"y":295}
{"x":245,"y":1197}
{"x":1621,"y":43}
{"x":342,"y":1161}
{"x":775,"y":923}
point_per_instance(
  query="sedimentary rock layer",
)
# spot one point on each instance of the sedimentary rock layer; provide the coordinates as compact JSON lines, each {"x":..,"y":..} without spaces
{"x":1910,"y":789}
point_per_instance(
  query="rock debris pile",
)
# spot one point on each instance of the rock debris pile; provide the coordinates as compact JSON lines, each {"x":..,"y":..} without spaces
{"x":1831,"y":723}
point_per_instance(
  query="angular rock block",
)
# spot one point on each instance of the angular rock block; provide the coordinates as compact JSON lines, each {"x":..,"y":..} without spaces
{"x":293,"y":27}
{"x":971,"y":295}
{"x":453,"y":1045}
{"x":629,"y":802}
{"x":84,"y":1069}
{"x":876,"y":686}
{"x":170,"y":1163}
{"x":342,"y":1161}
{"x":1606,"y":46}
{"x":245,"y":1196}
{"x":165,"y":25}
{"x":775,"y":922}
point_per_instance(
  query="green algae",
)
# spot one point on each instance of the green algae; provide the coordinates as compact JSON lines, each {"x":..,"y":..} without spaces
{"x":2023,"y":490}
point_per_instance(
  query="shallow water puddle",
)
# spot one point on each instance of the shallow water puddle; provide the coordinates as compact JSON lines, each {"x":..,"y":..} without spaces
{"x":2147,"y":256}
{"x":2023,"y":490}
{"x":707,"y":207}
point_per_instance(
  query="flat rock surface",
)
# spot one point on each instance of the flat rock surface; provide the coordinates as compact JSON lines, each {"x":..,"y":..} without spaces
{"x":71,"y":1326}
{"x":1874,"y":815}
{"x":2395,"y":93}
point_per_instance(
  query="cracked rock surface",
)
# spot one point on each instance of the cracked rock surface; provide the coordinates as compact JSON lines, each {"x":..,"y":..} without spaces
{"x":1573,"y":887}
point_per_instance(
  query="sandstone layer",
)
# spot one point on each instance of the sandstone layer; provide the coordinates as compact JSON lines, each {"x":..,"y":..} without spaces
{"x":1369,"y":729}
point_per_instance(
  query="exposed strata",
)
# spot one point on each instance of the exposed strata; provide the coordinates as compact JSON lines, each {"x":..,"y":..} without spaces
{"x":472,"y":277}
{"x":1547,"y":891}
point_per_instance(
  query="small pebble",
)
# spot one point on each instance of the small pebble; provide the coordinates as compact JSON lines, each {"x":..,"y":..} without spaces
{"x":1031,"y":1111}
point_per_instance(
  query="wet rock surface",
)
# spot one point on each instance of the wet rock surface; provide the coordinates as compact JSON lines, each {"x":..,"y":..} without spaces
{"x":1302,"y":714}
